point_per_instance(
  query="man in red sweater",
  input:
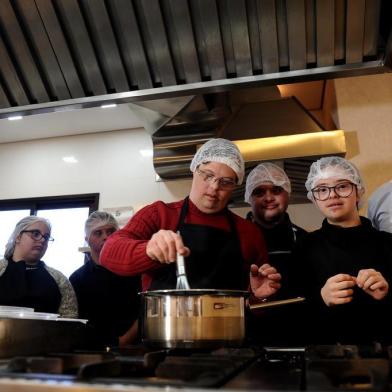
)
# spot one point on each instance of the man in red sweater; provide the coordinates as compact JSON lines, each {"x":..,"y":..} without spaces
{"x":221,"y":249}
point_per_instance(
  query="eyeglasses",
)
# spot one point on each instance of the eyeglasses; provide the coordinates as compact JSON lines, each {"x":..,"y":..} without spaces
{"x":322,"y":193}
{"x":225,"y":183}
{"x":261,"y":191}
{"x":36,"y":235}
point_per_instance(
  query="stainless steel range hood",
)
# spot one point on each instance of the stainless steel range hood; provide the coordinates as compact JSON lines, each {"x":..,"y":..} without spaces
{"x":72,"y":54}
{"x":264,"y":126}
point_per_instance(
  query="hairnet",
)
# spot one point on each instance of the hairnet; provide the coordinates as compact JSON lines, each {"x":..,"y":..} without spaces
{"x":266,"y":172}
{"x":333,"y":167}
{"x":23,"y":224}
{"x":380,"y":207}
{"x":222,"y":151}
{"x":98,"y":219}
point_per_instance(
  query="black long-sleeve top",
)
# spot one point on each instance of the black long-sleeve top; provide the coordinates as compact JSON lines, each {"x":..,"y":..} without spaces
{"x":332,"y":250}
{"x":110,"y":302}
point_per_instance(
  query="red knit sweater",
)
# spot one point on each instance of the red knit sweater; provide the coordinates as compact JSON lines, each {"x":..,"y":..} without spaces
{"x":125,"y":251}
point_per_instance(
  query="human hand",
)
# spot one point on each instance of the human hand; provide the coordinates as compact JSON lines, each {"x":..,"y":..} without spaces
{"x":264,"y":280}
{"x":373,"y":283}
{"x":338,"y":290}
{"x":164,"y":245}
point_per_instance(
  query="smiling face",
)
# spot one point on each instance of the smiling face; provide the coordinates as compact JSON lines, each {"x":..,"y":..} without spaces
{"x":338,"y":210}
{"x":207,"y":195}
{"x":29,"y":249}
{"x":269,"y":204}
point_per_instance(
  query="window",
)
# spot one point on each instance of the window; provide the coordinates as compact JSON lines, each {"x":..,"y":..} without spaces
{"x":67,"y":214}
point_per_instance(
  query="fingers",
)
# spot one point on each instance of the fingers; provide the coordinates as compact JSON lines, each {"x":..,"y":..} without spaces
{"x":346,"y":284}
{"x":342,"y":278}
{"x":368,"y":277}
{"x":380,"y":285}
{"x":164,"y":245}
{"x":373,"y":283}
{"x":265,"y":270}
{"x":338,"y":289}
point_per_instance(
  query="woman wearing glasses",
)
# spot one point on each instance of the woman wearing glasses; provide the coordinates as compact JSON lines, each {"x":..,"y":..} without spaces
{"x":25,"y":280}
{"x":346,"y":263}
{"x":220,"y":248}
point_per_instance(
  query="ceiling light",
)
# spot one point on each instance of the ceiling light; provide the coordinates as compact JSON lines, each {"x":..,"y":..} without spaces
{"x":70,"y":159}
{"x":14,"y":118}
{"x":146,"y":152}
{"x":108,"y":105}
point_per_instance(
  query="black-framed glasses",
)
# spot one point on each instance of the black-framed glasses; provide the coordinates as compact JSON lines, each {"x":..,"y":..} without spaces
{"x":36,"y":235}
{"x":262,"y":191}
{"x":225,"y":183}
{"x":322,"y":192}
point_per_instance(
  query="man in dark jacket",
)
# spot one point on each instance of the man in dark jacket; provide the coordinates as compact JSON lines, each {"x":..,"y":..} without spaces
{"x":268,"y":192}
{"x":110,"y":302}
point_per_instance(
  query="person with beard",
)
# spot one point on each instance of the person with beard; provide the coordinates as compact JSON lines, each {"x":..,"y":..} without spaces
{"x":25,"y":280}
{"x":345,"y":266}
{"x":110,"y":302}
{"x":268,"y":191}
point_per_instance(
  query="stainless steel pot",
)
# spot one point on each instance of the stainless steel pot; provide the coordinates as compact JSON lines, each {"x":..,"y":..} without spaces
{"x":199,"y":318}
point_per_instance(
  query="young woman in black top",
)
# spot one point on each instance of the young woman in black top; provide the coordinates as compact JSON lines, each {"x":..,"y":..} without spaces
{"x":346,"y":265}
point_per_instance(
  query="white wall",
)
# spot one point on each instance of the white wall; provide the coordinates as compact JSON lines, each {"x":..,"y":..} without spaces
{"x":113,"y":164}
{"x":364,"y":111}
{"x":110,"y":163}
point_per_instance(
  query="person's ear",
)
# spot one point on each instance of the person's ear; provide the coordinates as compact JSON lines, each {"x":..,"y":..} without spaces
{"x":17,"y":239}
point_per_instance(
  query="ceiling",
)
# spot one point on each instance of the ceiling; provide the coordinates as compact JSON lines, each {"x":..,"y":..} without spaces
{"x":72,"y":54}
{"x":67,"y":123}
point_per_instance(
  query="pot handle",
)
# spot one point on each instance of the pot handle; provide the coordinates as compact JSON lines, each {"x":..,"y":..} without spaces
{"x":270,"y":304}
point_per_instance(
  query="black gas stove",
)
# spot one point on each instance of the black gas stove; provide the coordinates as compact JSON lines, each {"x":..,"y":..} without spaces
{"x":315,"y":368}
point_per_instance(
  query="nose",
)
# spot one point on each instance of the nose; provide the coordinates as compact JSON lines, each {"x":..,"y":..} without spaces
{"x":105,"y":236}
{"x":268,"y":195}
{"x":332,"y":193}
{"x":214,"y":184}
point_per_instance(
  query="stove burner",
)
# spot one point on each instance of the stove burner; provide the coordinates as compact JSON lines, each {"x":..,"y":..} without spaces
{"x":136,"y":366}
{"x":335,"y":367}
{"x":348,"y":367}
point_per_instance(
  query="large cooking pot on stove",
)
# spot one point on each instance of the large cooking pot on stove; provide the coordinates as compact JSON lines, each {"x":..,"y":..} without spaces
{"x":198,"y":318}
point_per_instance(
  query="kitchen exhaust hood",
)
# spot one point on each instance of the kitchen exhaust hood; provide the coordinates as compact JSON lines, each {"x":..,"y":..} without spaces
{"x":268,"y":129}
{"x":72,"y":54}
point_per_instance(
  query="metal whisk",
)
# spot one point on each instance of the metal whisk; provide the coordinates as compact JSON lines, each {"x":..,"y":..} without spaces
{"x":182,"y":281}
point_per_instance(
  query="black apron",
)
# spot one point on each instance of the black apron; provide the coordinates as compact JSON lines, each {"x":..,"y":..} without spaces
{"x":215,"y":261}
{"x":29,"y":286}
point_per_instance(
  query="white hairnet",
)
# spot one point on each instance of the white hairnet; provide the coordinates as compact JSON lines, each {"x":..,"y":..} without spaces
{"x":266,"y":173}
{"x":333,"y":167}
{"x":380,"y":207}
{"x":222,"y":151}
{"x":98,"y":219}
